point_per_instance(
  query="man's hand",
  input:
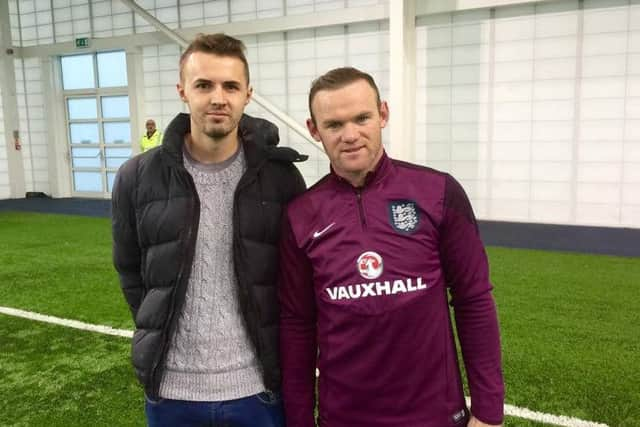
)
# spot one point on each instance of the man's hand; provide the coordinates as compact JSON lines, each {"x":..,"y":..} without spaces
{"x":474,"y":422}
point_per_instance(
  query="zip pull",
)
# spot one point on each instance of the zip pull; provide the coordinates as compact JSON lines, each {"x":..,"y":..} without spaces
{"x":363,"y":219}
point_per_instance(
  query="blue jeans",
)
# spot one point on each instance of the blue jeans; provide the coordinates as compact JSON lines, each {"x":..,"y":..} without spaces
{"x":260,"y":410}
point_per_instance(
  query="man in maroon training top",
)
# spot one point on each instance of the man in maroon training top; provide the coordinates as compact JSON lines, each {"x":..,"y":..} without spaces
{"x":370,"y":255}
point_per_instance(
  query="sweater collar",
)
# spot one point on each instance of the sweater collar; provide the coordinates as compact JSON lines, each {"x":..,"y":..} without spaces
{"x":258,"y":137}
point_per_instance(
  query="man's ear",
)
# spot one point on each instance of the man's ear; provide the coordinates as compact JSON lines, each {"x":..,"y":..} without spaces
{"x":181,"y":92}
{"x":249,"y":95}
{"x":384,"y":113}
{"x":313,"y":130}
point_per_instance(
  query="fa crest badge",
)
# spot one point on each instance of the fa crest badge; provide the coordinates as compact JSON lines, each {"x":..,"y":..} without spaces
{"x":404,"y":216}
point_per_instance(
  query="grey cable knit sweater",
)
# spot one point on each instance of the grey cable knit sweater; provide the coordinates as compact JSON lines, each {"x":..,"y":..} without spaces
{"x":210,"y":357}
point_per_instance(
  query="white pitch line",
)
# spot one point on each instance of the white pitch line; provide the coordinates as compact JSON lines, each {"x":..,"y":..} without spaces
{"x":514,"y":411}
{"x":558,"y":420}
{"x":66,"y":322}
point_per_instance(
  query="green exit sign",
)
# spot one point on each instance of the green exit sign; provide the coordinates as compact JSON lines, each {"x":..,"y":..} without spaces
{"x":82,"y":42}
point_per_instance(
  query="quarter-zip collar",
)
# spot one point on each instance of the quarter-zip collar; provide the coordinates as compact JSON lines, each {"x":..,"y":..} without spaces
{"x":377,"y":175}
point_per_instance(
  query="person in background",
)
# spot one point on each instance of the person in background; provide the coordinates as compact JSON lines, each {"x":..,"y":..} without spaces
{"x":151,"y":138}
{"x":369,"y":258}
{"x":195,"y":242}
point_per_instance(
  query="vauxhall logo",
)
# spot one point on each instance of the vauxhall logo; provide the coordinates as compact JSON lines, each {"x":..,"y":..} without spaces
{"x":370,"y":266}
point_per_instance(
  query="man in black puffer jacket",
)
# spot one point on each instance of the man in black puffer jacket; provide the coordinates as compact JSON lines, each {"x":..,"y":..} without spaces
{"x":196,"y":224}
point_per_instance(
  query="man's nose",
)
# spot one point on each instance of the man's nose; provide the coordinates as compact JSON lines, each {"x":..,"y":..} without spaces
{"x":217,"y":95}
{"x":350,"y":133}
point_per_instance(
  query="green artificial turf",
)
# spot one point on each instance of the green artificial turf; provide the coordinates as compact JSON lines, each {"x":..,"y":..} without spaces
{"x":570,"y":329}
{"x":60,"y":265}
{"x":56,"y":376}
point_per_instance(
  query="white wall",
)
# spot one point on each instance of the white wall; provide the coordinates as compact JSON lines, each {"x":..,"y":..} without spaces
{"x":32,"y":124}
{"x":160,"y":75}
{"x":5,"y":189}
{"x":535,"y":109}
{"x":55,"y":21}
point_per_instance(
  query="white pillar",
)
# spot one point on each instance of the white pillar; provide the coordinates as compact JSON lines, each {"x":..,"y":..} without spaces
{"x":402,"y":79}
{"x":59,"y":164}
{"x":10,"y":105}
{"x":137,"y":118}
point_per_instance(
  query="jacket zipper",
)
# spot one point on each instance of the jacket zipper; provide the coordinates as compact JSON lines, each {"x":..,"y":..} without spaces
{"x":254,"y":336}
{"x":155,"y":378}
{"x":363,"y":219}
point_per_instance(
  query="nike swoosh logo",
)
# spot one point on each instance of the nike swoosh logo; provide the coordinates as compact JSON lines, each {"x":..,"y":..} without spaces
{"x":324,"y":230}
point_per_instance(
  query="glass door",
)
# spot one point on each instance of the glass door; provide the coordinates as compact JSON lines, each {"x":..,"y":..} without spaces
{"x":98,"y":124}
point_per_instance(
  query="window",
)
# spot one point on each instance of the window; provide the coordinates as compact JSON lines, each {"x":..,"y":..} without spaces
{"x":97,"y":111}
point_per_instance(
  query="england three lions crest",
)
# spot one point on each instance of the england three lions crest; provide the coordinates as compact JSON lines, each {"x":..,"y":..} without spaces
{"x":404,"y":215}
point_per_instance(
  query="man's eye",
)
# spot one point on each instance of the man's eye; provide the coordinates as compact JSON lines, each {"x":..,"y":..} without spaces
{"x":333,"y":125}
{"x":202,"y":85}
{"x":362,"y":119}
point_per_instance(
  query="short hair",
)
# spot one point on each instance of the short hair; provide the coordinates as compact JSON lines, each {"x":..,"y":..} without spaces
{"x":339,"y":78}
{"x":218,"y":44}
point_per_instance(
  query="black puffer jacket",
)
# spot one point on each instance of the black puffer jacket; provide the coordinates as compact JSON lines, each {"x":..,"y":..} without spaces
{"x":155,"y":223}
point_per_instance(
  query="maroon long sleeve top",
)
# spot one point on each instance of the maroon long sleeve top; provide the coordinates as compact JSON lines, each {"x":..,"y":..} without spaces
{"x":366,"y":275}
